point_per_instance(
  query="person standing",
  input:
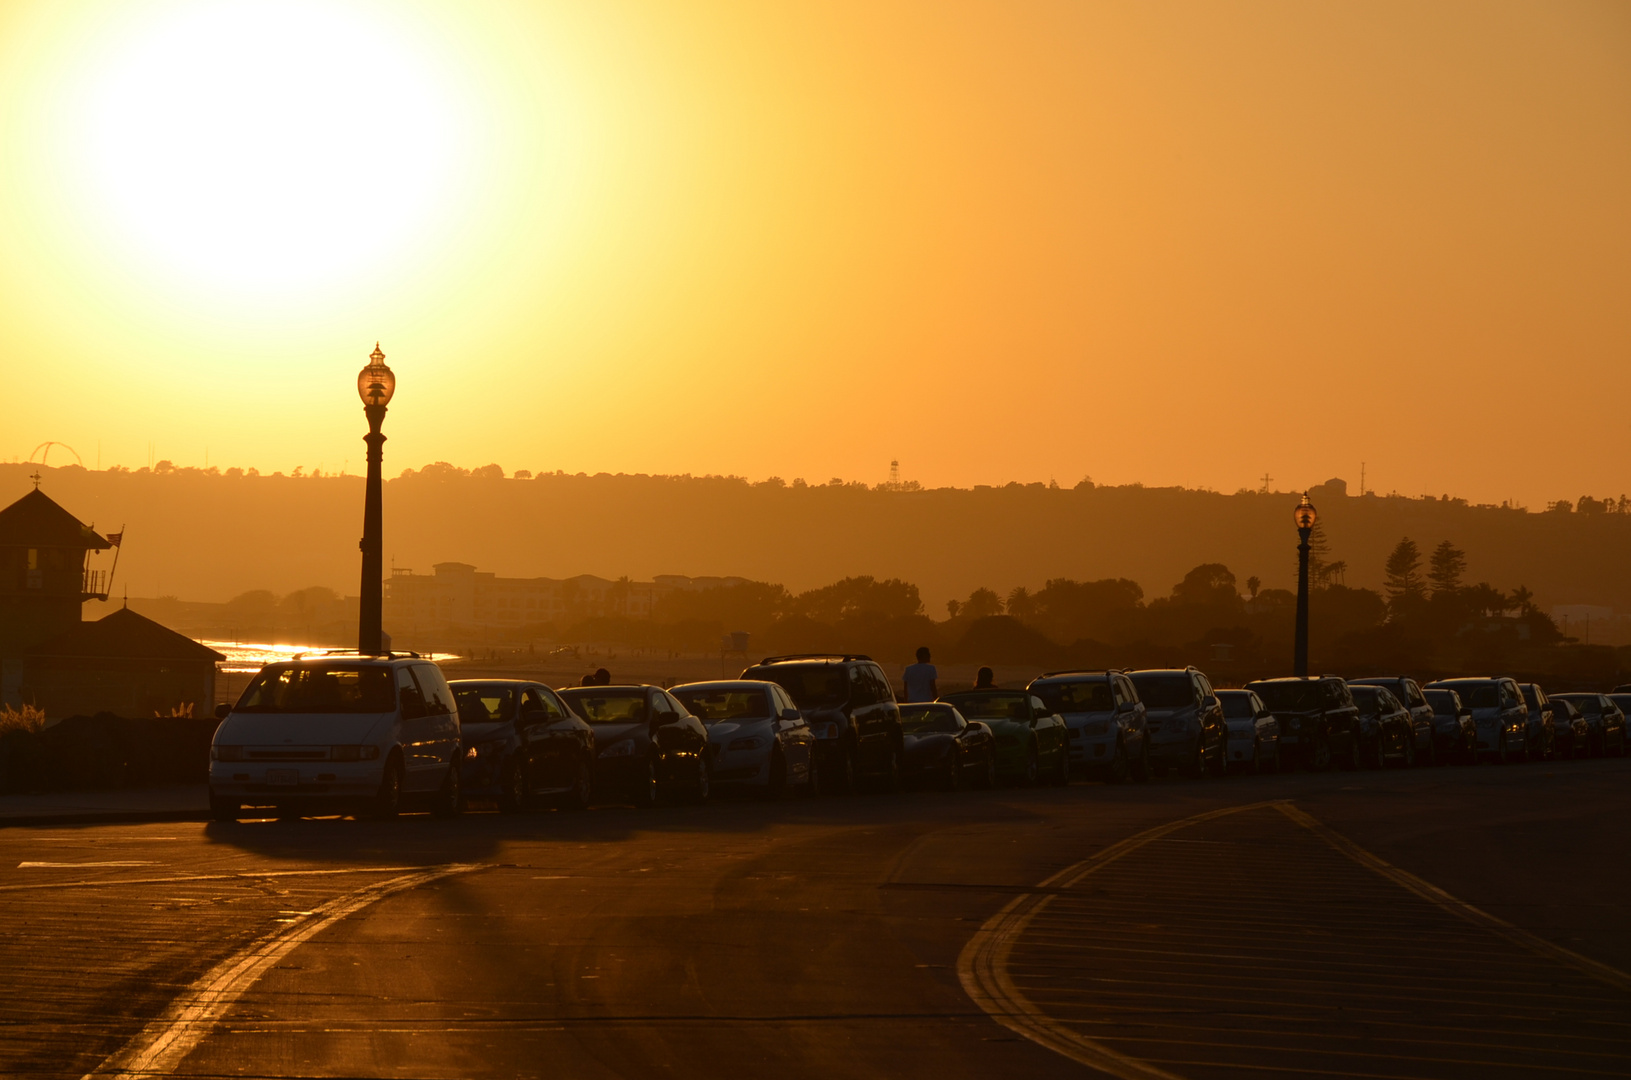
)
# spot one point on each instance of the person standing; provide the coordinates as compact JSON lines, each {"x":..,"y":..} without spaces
{"x":985,"y":679}
{"x":921,"y":679}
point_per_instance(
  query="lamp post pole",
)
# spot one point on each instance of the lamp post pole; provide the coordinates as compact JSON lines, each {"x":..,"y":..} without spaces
{"x":375,"y":384}
{"x":1305,"y":517}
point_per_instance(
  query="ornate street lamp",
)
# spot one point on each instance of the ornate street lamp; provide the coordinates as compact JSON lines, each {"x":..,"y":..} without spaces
{"x":375,"y":385}
{"x":1305,"y":518}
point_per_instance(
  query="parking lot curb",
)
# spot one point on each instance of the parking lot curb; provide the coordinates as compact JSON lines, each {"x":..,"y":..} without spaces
{"x":103,"y":817}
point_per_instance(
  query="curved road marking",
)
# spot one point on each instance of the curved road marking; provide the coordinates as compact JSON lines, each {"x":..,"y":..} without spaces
{"x":982,"y":966}
{"x":1459,"y":908}
{"x":165,"y":1042}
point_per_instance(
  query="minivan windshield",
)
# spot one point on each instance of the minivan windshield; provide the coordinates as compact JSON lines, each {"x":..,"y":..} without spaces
{"x":1444,"y":702}
{"x":1295,"y":696}
{"x":811,"y":685}
{"x":1237,"y":704}
{"x":1163,"y":691}
{"x":711,"y":706}
{"x":320,"y":688}
{"x":484,"y":704}
{"x":1074,"y":697}
{"x":928,"y":720}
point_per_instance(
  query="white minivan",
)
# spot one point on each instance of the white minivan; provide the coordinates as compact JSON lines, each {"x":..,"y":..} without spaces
{"x":337,"y":732}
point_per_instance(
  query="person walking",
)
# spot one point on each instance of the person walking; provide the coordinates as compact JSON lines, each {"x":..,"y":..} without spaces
{"x":921,"y":678}
{"x":985,"y":679}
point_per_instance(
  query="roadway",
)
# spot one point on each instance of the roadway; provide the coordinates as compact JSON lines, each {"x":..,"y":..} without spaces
{"x":1434,"y":923}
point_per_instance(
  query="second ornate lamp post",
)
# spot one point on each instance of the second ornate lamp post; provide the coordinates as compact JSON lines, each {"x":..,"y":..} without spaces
{"x":1305,"y":517}
{"x":375,"y":385}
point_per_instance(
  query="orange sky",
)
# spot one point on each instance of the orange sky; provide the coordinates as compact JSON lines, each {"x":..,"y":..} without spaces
{"x":1170,"y":243}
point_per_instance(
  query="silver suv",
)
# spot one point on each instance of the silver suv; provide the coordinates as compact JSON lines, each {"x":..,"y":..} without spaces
{"x":1105,"y":719}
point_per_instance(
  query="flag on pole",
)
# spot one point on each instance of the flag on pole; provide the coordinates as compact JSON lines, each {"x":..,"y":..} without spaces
{"x":114,"y":538}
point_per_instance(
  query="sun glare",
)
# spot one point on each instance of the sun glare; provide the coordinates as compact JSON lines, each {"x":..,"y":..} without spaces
{"x":268,"y":147}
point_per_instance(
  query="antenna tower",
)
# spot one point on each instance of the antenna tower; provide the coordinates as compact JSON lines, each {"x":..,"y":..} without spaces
{"x":894,"y":476}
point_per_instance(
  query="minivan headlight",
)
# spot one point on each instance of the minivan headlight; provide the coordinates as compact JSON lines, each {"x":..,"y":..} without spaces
{"x":227,"y":753}
{"x":353,"y":753}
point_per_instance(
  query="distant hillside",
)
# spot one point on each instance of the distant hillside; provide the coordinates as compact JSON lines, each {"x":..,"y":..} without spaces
{"x":203,"y":536}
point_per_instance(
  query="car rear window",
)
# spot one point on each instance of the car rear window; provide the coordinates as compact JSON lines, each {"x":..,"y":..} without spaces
{"x":1481,"y":695}
{"x":711,"y":706}
{"x":1164,"y":691}
{"x":1443,"y":702}
{"x":811,"y":686}
{"x":320,"y":688}
{"x":1087,"y":695}
{"x":608,"y":707}
{"x":1287,"y":696}
{"x":484,"y":704}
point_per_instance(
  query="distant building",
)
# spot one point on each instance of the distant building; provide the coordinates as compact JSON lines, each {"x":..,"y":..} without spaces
{"x":50,"y":658}
{"x":458,"y":596}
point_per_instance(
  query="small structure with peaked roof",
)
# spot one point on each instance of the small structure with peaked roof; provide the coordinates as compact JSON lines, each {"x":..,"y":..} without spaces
{"x":123,"y":663}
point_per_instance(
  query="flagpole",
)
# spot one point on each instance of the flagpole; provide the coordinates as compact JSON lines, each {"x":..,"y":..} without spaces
{"x":118,"y":542}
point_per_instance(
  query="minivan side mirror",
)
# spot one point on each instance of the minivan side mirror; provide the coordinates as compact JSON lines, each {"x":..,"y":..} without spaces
{"x":792,"y":716}
{"x":223,"y":710}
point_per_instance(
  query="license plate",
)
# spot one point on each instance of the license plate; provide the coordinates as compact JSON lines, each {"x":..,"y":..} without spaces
{"x":283,"y":776}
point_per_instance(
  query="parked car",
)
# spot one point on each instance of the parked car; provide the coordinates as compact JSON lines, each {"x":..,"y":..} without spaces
{"x":1185,"y":721}
{"x":647,"y":744}
{"x":1408,"y":693}
{"x":758,"y":737}
{"x":1031,"y":743}
{"x":1605,"y":722}
{"x":1387,"y":732}
{"x":522,"y":745}
{"x":943,"y":746}
{"x":1622,"y":702}
{"x":1254,"y":733}
{"x":1104,"y":718}
{"x":1319,"y":723}
{"x":1500,"y":713}
{"x":338,"y":731}
{"x":1542,"y":731}
{"x":1570,"y":729}
{"x":1455,"y":735}
{"x":850,"y":707}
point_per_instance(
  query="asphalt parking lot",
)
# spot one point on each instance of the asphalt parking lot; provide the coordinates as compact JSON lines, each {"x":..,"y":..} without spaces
{"x":1427,"y":923}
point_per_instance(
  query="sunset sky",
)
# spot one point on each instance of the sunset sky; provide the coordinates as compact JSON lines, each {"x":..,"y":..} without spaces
{"x":1176,"y":243}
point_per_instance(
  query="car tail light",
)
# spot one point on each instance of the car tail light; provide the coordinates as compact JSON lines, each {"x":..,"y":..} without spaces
{"x":354,"y":753}
{"x":227,"y":753}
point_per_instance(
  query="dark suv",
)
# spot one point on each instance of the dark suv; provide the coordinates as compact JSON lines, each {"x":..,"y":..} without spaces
{"x":1319,"y":722}
{"x":1185,"y":721}
{"x":1428,"y":746}
{"x":1105,"y":719}
{"x":850,"y":707}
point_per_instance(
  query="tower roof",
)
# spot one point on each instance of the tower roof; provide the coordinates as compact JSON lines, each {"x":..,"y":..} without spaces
{"x":123,"y":634}
{"x":35,"y":520}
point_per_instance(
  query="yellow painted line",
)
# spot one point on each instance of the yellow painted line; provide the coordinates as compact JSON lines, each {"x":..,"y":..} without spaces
{"x":182,"y":879}
{"x":1525,"y":940}
{"x":165,"y":1042}
{"x":982,"y":966}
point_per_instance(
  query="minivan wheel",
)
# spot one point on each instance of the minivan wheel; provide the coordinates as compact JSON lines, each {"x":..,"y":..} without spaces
{"x":387,"y":802}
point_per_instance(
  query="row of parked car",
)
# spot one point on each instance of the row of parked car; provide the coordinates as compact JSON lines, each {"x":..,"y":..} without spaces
{"x":350,"y":732}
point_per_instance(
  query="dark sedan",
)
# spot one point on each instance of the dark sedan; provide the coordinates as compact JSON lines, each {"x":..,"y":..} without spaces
{"x":648,"y":744}
{"x":1319,"y":723}
{"x":1387,"y":731}
{"x":522,"y":746}
{"x":943,"y":747}
{"x":1605,"y":720}
{"x":1570,"y":729}
{"x":1500,"y":713}
{"x":1454,"y":732}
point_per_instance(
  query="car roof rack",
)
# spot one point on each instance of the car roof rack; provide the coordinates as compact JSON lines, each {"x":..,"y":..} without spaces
{"x":1080,"y":671}
{"x":357,"y":652}
{"x":814,"y":656}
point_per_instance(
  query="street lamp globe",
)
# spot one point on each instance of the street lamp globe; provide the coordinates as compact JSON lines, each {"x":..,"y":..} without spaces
{"x":1305,"y":513}
{"x":376,"y":383}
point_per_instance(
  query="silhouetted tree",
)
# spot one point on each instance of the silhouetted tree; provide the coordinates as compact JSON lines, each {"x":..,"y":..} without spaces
{"x":1253,"y":583}
{"x":982,"y":603}
{"x":1208,"y":583}
{"x":859,"y":595}
{"x":952,"y":607}
{"x":1403,"y":569}
{"x":1445,"y":567}
{"x":1021,"y":605}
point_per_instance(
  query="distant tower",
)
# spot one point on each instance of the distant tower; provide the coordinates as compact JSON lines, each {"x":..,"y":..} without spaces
{"x":894,"y":476}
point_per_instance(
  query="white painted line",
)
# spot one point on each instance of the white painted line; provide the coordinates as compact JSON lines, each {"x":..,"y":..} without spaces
{"x":165,"y":1042}
{"x":982,"y":966}
{"x":78,"y":865}
{"x":1532,"y":943}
